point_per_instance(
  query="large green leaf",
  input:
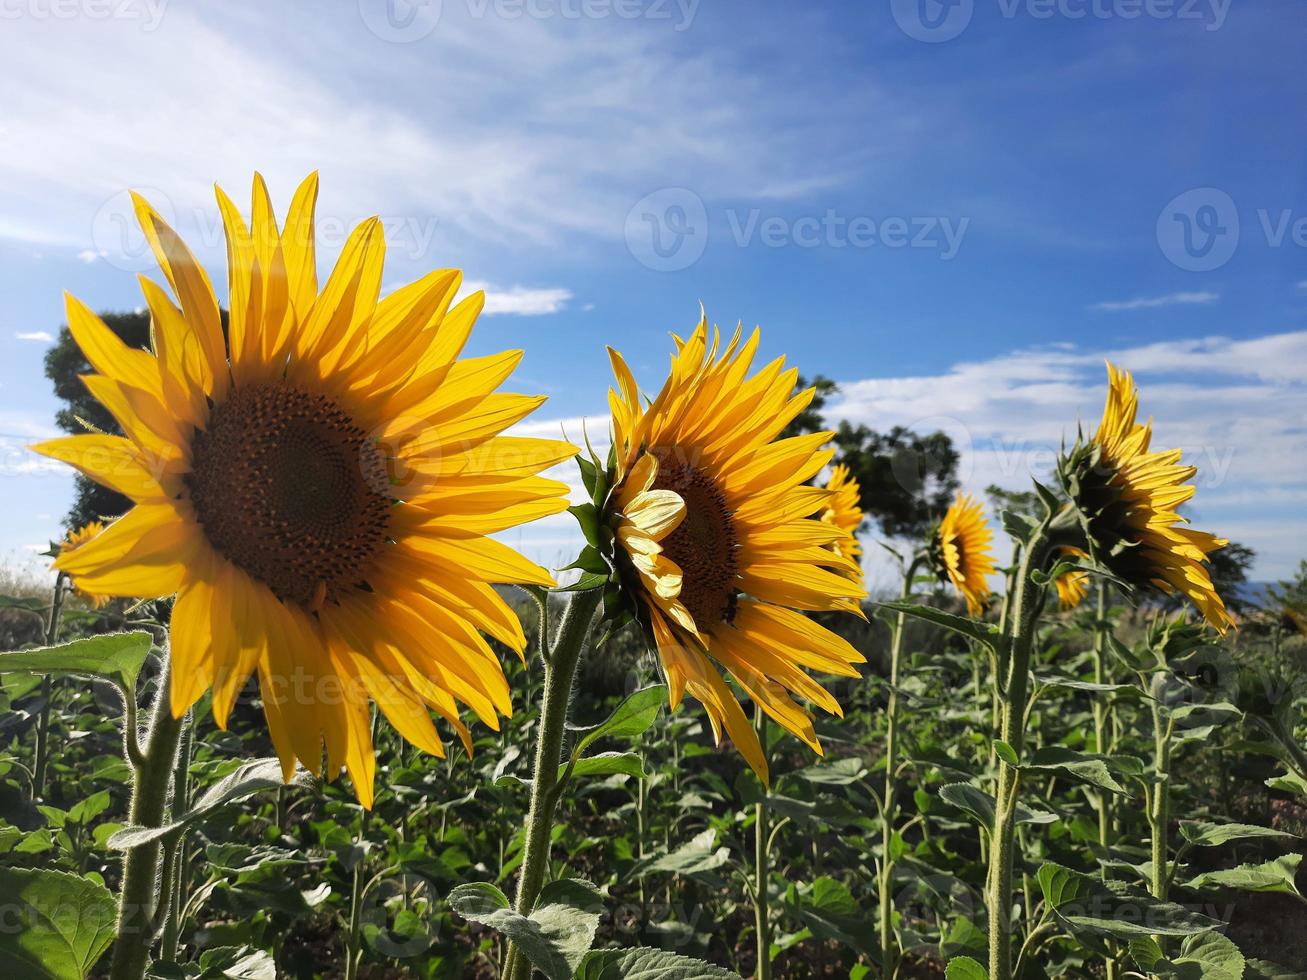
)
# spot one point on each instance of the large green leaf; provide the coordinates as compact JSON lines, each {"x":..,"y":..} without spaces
{"x":981,"y":806}
{"x":630,"y":718}
{"x":698,"y":855}
{"x":607,"y":764}
{"x":647,"y":964}
{"x":831,"y":912}
{"x":1078,"y":767}
{"x":1087,"y":905}
{"x":1279,"y":875}
{"x":116,"y":657}
{"x":1209,"y":956}
{"x":57,"y":925}
{"x":985,"y":633}
{"x":964,"y":968}
{"x":556,"y":935}
{"x":1205,"y":834}
{"x":245,"y":780}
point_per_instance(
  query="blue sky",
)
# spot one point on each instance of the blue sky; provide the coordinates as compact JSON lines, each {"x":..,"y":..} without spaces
{"x":956,"y":210}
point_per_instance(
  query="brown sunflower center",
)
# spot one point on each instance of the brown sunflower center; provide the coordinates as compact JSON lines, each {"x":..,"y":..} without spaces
{"x":703,"y":544}
{"x":290,"y":490}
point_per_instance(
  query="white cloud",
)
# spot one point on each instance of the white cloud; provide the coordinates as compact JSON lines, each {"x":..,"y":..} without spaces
{"x":520,"y":300}
{"x":89,"y":255}
{"x":1153,"y":302}
{"x":41,"y":336}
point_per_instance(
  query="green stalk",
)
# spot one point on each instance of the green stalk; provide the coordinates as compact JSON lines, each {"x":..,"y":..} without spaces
{"x":1013,"y":696}
{"x":761,"y":869}
{"x":180,"y":804}
{"x":353,"y":947}
{"x":1102,"y":744}
{"x":152,"y":778}
{"x":1160,"y":809}
{"x":560,"y":669}
{"x":888,"y":801}
{"x":42,"y":763}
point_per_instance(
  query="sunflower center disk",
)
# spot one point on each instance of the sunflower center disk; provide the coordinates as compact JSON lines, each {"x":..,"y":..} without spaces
{"x":290,"y":490}
{"x":703,"y":544}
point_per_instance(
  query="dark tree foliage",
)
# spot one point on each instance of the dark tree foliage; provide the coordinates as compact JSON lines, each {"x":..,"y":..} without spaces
{"x":64,"y":365}
{"x":1023,"y":502}
{"x":907,"y":480}
{"x":1229,"y":569}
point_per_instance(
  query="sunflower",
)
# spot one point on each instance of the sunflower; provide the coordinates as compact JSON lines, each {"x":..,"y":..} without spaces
{"x":1071,"y":586}
{"x":844,"y":511}
{"x":960,"y":551}
{"x":73,"y":541}
{"x":316,"y":483}
{"x":1129,"y":498}
{"x":714,"y":539}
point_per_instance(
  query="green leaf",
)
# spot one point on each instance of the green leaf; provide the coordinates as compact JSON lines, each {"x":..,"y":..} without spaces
{"x":831,"y":912}
{"x":980,"y":632}
{"x":1278,"y":875}
{"x":1005,"y":752}
{"x":647,"y":964}
{"x":1072,"y":684}
{"x":698,"y":855}
{"x":585,"y":583}
{"x":1208,"y":956}
{"x":590,"y":561}
{"x":1087,"y":905}
{"x":607,"y":764}
{"x":555,"y":936}
{"x":632,"y":717}
{"x":114,"y":657}
{"x":1078,"y":767}
{"x":964,"y":968}
{"x":1205,"y":834}
{"x":245,"y":780}
{"x":588,"y":517}
{"x":237,"y":963}
{"x":1266,"y":970}
{"x":981,"y":806}
{"x":57,"y":925}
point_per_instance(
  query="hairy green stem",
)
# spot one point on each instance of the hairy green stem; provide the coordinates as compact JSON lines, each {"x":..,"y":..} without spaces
{"x":1013,"y":695}
{"x":761,"y":869}
{"x":1159,"y":812}
{"x":888,"y":807}
{"x":560,"y":669}
{"x":42,"y":764}
{"x":140,"y":895}
{"x":1102,"y":744}
{"x":177,"y":885}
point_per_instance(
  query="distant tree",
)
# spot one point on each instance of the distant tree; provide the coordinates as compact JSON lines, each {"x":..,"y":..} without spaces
{"x":907,"y":479}
{"x":64,"y":365}
{"x":1289,"y":600}
{"x":1023,"y":502}
{"x":1229,"y":569}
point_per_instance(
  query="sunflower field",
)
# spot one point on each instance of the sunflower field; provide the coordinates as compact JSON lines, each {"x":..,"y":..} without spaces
{"x":301,"y":711}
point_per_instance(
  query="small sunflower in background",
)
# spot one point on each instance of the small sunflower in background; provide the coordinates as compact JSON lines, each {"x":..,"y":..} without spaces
{"x":845,"y":512}
{"x":317,"y":484}
{"x":1128,"y":497}
{"x":961,"y":551}
{"x":74,"y":540}
{"x":712,"y":538}
{"x":1071,"y":586}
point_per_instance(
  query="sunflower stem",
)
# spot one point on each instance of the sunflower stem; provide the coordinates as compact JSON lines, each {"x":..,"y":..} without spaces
{"x":761,"y":869}
{"x":888,"y":809}
{"x":1013,"y":698}
{"x":140,"y":895}
{"x":560,"y":669}
{"x":1101,"y":707}
{"x":42,"y":763}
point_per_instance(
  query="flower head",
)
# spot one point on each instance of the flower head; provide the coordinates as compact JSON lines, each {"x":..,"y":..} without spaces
{"x":1071,"y":586}
{"x":74,"y":540}
{"x":960,"y":551}
{"x":714,"y":539}
{"x":316,"y":483}
{"x":844,"y":511}
{"x":1129,"y":498}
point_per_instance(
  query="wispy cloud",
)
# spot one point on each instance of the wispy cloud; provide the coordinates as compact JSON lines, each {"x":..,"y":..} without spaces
{"x":1153,"y":302}
{"x":521,"y":300}
{"x":40,"y":336}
